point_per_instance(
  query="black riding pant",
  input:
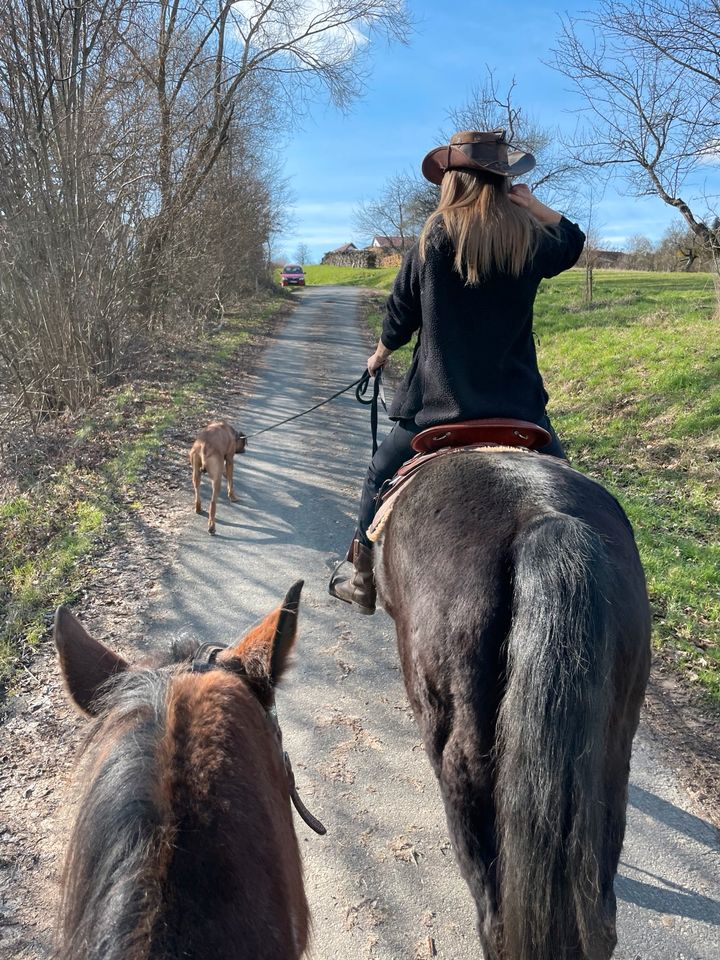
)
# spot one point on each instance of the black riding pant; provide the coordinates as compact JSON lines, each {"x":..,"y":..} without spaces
{"x":394,"y":451}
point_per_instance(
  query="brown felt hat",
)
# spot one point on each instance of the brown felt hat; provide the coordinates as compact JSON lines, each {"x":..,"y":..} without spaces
{"x":473,"y":150}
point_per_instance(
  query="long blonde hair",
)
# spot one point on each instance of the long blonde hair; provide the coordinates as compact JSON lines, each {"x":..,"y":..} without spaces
{"x":487,"y":230}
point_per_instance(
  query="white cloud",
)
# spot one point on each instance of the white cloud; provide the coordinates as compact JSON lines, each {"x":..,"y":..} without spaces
{"x":312,"y":26}
{"x":710,"y":154}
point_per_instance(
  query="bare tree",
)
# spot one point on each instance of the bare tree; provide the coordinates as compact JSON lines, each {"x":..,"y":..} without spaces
{"x":423,"y":198}
{"x":73,"y":181}
{"x":393,"y":213}
{"x":639,"y":252}
{"x":587,"y":209}
{"x":302,"y":254}
{"x":209,"y":61}
{"x":648,"y":73}
{"x":137,"y":175}
{"x":680,"y":249}
{"x":489,"y":108}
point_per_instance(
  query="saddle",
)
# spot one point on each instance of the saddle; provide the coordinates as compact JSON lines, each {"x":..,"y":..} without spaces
{"x":493,"y":434}
{"x":494,"y":430}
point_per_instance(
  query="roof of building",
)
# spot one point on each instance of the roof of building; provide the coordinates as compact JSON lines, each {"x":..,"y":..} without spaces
{"x":397,"y":243}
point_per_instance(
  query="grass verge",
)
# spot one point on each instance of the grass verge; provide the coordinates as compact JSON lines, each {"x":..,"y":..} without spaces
{"x":64,"y":504}
{"x":634,"y":379}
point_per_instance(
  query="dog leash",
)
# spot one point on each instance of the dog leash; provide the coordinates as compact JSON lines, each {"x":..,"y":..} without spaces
{"x":361,"y":387}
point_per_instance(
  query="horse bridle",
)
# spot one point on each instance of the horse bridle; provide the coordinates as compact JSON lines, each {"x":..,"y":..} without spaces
{"x":204,"y":660}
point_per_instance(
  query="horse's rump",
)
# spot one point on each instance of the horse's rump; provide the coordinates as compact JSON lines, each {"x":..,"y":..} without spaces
{"x":523,"y":630}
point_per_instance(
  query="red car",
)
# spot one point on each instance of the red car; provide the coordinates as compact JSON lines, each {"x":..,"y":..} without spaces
{"x":292,"y":275}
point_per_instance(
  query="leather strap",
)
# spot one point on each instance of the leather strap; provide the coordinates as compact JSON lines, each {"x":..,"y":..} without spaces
{"x":378,"y":394}
{"x":205,"y":659}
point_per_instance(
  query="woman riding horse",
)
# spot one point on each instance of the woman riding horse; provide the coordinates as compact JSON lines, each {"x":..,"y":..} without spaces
{"x":468,"y":288}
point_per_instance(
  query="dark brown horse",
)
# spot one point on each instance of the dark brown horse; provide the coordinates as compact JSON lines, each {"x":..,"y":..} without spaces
{"x":523,"y":629}
{"x":184,"y":845}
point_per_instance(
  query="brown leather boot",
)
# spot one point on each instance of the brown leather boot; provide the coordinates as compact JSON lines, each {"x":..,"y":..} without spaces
{"x":360,"y":587}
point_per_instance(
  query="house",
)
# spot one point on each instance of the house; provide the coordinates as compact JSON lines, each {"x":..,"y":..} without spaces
{"x":393,"y":243}
{"x":345,"y":248}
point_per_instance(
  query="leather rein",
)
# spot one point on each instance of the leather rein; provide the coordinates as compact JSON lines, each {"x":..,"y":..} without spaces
{"x":361,"y":387}
{"x":204,"y":660}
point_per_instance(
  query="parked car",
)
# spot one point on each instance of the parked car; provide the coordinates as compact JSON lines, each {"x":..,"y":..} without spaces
{"x":292,"y":275}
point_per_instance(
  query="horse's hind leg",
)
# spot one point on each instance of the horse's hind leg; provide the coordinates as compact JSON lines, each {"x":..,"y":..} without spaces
{"x":466,"y":787}
{"x":458,"y":729}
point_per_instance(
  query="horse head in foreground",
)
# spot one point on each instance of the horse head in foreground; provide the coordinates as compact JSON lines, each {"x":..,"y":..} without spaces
{"x":184,"y":845}
{"x":523,"y":629}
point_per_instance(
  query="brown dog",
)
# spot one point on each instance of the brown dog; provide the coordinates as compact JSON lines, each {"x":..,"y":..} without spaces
{"x":213,"y":453}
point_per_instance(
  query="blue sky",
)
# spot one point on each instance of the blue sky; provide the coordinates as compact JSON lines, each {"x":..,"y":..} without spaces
{"x":335,"y":161}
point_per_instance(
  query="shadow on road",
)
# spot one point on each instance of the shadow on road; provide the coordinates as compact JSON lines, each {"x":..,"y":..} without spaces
{"x":679,"y":820}
{"x":669,"y":898}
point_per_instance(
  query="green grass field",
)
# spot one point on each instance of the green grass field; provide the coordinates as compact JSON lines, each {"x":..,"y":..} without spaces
{"x":380,"y":279}
{"x":634,"y":381}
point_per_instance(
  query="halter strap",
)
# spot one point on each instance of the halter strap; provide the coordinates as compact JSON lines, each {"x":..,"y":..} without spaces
{"x":204,"y":660}
{"x":205,"y":656}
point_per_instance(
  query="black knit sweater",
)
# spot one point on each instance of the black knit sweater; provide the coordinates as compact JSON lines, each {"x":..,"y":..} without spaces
{"x":475,"y":353}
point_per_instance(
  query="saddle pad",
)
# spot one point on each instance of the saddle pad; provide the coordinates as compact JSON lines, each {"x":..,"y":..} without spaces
{"x":402,"y":481}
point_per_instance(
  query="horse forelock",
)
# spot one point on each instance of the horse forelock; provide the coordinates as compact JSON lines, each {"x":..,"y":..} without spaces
{"x":227,"y":796}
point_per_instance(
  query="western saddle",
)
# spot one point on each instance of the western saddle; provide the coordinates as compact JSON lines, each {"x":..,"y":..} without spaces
{"x":495,"y":433}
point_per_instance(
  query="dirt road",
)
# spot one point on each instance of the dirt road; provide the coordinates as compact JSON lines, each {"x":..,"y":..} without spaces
{"x":383,"y":882}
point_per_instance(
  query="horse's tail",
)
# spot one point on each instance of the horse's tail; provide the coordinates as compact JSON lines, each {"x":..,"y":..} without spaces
{"x":551,"y":732}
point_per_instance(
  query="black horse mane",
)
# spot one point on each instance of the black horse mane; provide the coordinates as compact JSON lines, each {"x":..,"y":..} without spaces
{"x":110,"y":891}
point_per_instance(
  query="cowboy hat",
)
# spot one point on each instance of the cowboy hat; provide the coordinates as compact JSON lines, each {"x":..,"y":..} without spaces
{"x":473,"y":150}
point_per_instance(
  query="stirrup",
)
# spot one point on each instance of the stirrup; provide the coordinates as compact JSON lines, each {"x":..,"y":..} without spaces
{"x":334,"y":579}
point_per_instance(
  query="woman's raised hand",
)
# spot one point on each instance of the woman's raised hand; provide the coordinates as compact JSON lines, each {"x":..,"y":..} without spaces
{"x":521,"y":194}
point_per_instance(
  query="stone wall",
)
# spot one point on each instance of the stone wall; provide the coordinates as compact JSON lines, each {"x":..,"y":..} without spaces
{"x":362,"y":259}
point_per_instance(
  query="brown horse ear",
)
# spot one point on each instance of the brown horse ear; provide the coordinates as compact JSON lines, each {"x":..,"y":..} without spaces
{"x":285,"y":632}
{"x":86,"y":664}
{"x":266,"y":648}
